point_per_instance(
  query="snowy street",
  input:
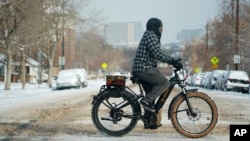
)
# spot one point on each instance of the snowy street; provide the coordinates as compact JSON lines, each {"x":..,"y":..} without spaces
{"x":41,"y":113}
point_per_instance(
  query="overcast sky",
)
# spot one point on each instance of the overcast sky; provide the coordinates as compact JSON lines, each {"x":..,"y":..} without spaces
{"x":175,"y":14}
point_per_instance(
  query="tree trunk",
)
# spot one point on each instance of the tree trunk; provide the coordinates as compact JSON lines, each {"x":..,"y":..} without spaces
{"x":9,"y":70}
{"x":23,"y":72}
{"x":51,"y":60}
{"x":50,"y":72}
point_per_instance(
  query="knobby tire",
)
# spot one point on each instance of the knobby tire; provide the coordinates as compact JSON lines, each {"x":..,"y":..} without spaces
{"x":203,"y":123}
{"x":101,"y":110}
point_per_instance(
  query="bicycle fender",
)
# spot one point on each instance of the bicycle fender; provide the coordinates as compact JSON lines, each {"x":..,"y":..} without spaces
{"x":115,"y":93}
{"x":98,"y":96}
{"x":174,"y":100}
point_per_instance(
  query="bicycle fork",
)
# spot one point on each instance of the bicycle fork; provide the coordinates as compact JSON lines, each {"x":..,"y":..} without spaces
{"x":161,"y":101}
{"x":190,"y":108}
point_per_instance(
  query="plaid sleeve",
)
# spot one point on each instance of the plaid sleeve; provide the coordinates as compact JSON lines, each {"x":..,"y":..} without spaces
{"x":155,"y":50}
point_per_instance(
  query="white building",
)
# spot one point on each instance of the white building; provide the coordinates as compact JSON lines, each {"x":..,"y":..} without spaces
{"x":32,"y":71}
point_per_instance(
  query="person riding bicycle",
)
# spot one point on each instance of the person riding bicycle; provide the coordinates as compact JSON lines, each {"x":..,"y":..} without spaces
{"x":147,"y":56}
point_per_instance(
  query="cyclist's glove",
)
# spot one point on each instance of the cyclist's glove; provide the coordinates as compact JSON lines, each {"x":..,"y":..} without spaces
{"x":177,"y":64}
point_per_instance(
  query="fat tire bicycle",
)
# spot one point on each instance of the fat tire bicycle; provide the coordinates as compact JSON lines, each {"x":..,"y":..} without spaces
{"x":116,"y":109}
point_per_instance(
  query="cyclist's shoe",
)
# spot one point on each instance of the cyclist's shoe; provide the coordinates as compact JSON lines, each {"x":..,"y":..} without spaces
{"x":152,"y":127}
{"x":147,"y":105}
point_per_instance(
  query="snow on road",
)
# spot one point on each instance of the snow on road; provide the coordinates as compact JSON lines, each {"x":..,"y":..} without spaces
{"x":231,"y":104}
{"x":38,"y":93}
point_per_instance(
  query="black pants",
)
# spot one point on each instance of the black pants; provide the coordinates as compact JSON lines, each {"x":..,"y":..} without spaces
{"x":154,"y":83}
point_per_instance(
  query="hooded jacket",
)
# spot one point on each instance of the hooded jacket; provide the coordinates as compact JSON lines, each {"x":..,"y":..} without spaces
{"x":154,"y":25}
{"x":149,"y":52}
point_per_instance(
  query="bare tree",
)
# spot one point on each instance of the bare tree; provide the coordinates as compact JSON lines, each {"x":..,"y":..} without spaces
{"x":92,"y":51}
{"x":13,"y":14}
{"x":31,"y":26}
{"x":223,"y":34}
{"x":60,"y":15}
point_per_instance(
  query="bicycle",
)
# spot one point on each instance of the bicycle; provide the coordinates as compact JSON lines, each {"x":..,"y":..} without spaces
{"x":116,"y":109}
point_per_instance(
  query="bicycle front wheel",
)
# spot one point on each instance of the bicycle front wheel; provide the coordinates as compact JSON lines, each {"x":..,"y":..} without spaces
{"x":112,"y":120}
{"x":200,"y":124}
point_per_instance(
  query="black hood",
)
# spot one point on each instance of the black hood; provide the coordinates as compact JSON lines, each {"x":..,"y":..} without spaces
{"x":154,"y":25}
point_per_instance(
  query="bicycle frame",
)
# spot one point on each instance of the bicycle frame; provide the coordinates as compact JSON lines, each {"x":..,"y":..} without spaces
{"x":162,"y":99}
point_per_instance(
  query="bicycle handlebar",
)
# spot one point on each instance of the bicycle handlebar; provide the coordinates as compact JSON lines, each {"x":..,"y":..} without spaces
{"x":180,"y":65}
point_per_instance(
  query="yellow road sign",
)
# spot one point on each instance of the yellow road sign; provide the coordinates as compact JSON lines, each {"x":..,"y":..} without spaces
{"x":197,"y":70}
{"x":104,"y":65}
{"x":214,"y":66}
{"x":214,"y":60}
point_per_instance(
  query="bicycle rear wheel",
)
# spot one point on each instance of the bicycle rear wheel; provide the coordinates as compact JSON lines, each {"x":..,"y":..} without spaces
{"x":111,"y":120}
{"x":204,"y":121}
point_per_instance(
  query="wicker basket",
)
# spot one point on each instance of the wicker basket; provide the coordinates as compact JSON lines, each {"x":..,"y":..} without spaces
{"x":112,"y":80}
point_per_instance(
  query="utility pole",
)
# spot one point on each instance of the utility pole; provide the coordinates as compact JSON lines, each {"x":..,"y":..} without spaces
{"x":237,"y":33}
{"x":63,"y":56}
{"x":206,"y":56}
{"x":194,"y":55}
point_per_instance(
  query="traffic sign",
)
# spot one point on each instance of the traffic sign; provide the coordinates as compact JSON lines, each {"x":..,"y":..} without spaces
{"x":236,"y":59}
{"x":104,"y":65}
{"x":197,"y":70}
{"x":215,"y":66}
{"x":214,"y":60}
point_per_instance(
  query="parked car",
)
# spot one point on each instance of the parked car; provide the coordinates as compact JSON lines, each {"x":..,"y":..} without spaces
{"x":236,"y":80}
{"x":68,"y":79}
{"x":196,"y":80}
{"x":205,"y":78}
{"x":214,"y":77}
{"x":249,"y":89}
{"x":81,"y":72}
{"x":220,"y":81}
{"x":122,"y":73}
{"x":53,"y":82}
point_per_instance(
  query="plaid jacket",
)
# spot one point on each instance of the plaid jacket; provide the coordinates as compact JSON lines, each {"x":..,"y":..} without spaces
{"x":149,"y":53}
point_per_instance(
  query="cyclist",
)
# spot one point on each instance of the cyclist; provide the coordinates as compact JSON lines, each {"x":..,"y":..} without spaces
{"x":147,"y":56}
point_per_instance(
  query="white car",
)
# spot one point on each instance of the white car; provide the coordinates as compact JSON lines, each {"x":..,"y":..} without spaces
{"x":213,"y":78}
{"x":68,"y":79}
{"x":204,"y":79}
{"x":122,"y":73}
{"x":236,"y":80}
{"x":196,"y":79}
{"x":81,"y":72}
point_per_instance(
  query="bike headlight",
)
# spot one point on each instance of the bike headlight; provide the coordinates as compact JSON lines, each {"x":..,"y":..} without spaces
{"x":183,"y":75}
